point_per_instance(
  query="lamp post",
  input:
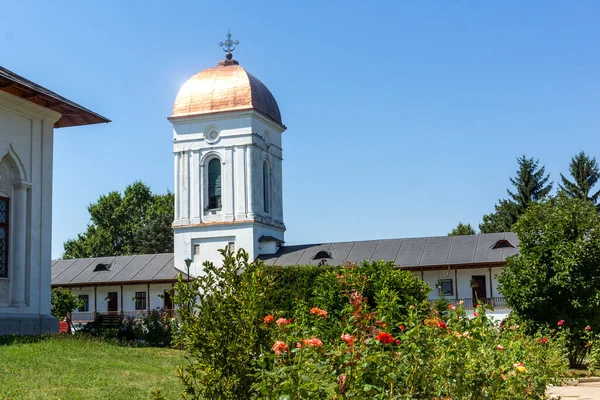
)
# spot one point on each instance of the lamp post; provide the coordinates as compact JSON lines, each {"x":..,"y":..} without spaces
{"x":188,"y":262}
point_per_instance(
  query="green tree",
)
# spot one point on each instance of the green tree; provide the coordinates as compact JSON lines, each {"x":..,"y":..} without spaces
{"x":220,"y":316}
{"x":531,"y":185}
{"x":136,"y":222}
{"x":501,"y":220}
{"x":556,"y":275}
{"x":462,"y":229}
{"x":585,"y":173}
{"x":62,"y":303}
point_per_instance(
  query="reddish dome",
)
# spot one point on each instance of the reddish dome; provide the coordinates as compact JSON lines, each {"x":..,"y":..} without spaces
{"x":226,"y":87}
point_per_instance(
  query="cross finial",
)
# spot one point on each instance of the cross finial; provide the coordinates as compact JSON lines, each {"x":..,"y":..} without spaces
{"x":229,"y":45}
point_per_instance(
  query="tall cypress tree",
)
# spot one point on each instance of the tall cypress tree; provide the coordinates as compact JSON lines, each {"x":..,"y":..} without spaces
{"x":585,"y":173}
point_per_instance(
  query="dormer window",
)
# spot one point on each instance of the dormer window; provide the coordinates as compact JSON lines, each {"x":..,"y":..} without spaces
{"x":501,"y":244}
{"x":102,"y":267}
{"x":322,"y":255}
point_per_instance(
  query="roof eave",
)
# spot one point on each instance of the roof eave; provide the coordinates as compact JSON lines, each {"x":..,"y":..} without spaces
{"x":72,"y":114}
{"x":179,"y":117}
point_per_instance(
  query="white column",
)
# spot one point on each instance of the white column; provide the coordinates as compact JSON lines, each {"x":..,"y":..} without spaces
{"x":19,"y":241}
{"x":228,"y":175}
{"x":177,"y":188}
{"x":240,"y":183}
{"x":194,"y":188}
{"x":184,"y":189}
{"x":249,"y":180}
{"x":202,"y":191}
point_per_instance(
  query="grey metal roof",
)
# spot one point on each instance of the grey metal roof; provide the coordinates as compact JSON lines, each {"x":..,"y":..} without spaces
{"x":409,"y":252}
{"x":132,"y":269}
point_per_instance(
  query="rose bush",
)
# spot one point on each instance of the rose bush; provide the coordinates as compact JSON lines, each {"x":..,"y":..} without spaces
{"x":358,"y":335}
{"x":456,"y":358}
{"x":155,"y":328}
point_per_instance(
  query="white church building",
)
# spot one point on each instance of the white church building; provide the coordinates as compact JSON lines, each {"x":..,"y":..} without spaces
{"x":227,"y":148}
{"x":29,"y":114}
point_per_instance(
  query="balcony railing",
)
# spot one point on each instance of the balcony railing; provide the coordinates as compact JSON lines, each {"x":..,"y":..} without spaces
{"x":82,"y":316}
{"x":470,"y":303}
{"x":90,"y":316}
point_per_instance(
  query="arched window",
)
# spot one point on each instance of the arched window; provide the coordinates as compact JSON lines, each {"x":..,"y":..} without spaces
{"x":266,"y":197}
{"x":214,"y":184}
{"x":4,"y":218}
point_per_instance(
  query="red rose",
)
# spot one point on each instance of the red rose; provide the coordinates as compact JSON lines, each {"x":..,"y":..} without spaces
{"x":385,"y":337}
{"x":319,"y":312}
{"x":588,"y":328}
{"x":283,"y":321}
{"x":348,"y":339}
{"x":561,"y":322}
{"x":279,"y":347}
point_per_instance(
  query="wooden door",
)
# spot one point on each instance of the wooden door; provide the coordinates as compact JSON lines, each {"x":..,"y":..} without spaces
{"x":168,"y":301}
{"x":479,"y":289}
{"x":113,"y":302}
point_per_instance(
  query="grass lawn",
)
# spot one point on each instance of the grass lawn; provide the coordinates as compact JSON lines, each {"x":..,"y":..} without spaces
{"x":67,"y":367}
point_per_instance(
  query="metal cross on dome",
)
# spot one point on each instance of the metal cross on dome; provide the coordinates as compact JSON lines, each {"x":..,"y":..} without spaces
{"x":228,"y":45}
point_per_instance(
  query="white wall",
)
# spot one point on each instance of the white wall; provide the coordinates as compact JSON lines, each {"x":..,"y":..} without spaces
{"x":26,"y":144}
{"x":463,"y":277}
{"x":156,"y":290}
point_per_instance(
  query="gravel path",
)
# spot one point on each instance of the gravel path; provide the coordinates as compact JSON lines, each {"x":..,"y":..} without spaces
{"x":582,"y":391}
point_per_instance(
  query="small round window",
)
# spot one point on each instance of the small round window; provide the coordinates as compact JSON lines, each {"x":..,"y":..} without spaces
{"x":212,"y":134}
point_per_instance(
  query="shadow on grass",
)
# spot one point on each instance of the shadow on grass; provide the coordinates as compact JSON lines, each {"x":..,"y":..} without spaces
{"x":19,"y":339}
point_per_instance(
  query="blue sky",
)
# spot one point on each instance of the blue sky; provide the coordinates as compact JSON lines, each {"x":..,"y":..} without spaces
{"x":404,"y":117}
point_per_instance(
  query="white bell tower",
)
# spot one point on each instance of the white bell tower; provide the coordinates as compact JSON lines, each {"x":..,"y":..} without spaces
{"x":227,"y":148}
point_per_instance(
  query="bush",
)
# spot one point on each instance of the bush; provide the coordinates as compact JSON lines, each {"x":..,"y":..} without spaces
{"x":155,"y":329}
{"x":389,"y":289}
{"x":220,"y":314}
{"x":333,"y":340}
{"x":556,"y":273}
{"x":62,"y":303}
{"x":458,"y":358}
{"x":291,"y":285}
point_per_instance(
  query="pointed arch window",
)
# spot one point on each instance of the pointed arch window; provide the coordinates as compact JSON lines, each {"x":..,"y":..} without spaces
{"x":266,"y":189}
{"x":4,"y":229}
{"x":214,"y":184}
